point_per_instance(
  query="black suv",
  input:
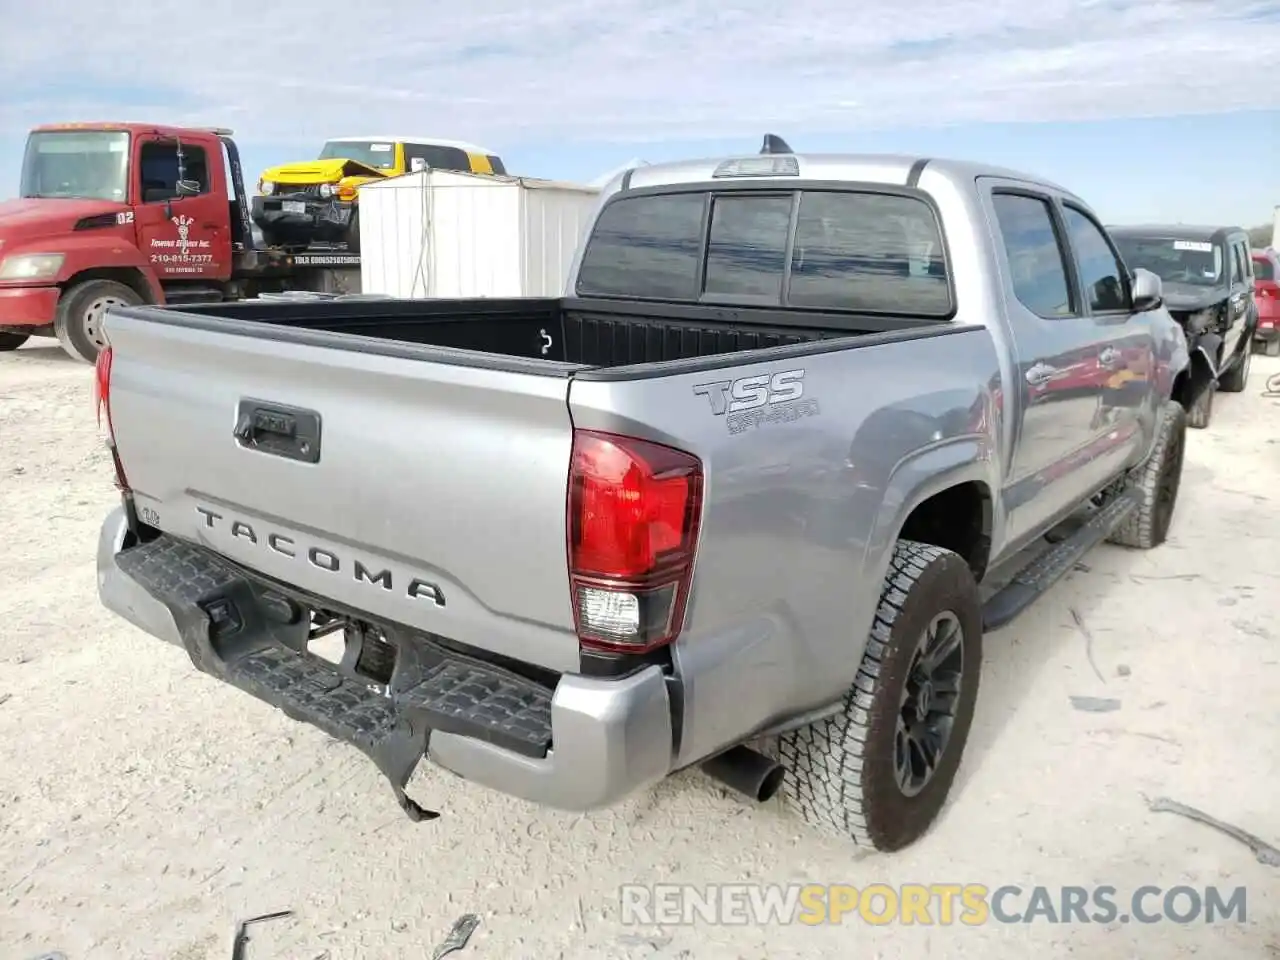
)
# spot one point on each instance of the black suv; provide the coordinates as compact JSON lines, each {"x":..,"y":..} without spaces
{"x":1207,"y":273}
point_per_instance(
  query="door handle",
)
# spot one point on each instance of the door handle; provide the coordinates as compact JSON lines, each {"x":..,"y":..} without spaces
{"x":1040,"y":373}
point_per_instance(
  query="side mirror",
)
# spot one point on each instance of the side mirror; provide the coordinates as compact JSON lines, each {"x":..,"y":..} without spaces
{"x":187,"y":188}
{"x":1148,"y":291}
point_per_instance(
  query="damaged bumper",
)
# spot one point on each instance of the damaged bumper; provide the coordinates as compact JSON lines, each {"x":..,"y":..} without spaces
{"x":578,"y":743}
{"x":303,"y":218}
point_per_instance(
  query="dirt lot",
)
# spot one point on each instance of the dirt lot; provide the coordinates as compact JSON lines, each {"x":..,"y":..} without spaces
{"x":144,"y":808}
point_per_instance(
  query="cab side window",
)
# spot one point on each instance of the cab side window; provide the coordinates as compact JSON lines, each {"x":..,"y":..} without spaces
{"x":1102,"y":275}
{"x":1237,"y":268}
{"x":1246,"y":264}
{"x":158,"y":169}
{"x":1037,"y":261}
{"x":426,"y":156}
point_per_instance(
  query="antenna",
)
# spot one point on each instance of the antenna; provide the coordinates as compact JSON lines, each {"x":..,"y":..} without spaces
{"x":775,"y":144}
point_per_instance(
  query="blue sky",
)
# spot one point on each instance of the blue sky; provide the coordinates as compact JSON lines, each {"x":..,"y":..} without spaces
{"x":1152,"y":110}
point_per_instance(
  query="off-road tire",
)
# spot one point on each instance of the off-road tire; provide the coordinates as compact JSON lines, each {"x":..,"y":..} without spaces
{"x":1201,"y":411}
{"x":1271,"y":348}
{"x":1237,"y":378}
{"x":353,"y":231}
{"x":1148,"y":525}
{"x":840,"y":773}
{"x":77,"y":322}
{"x":12,"y":341}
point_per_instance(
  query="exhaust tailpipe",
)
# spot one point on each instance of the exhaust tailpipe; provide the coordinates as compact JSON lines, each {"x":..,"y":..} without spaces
{"x":747,"y":771}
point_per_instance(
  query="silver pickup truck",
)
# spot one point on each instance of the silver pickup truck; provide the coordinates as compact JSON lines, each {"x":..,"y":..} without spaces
{"x":746,"y":498}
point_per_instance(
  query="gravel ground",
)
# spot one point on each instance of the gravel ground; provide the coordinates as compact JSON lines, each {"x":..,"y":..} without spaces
{"x":144,"y":807}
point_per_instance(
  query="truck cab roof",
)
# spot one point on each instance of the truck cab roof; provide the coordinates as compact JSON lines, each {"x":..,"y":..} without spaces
{"x":885,"y":168}
{"x":400,"y":138}
{"x":132,"y":126}
{"x":1178,"y":231}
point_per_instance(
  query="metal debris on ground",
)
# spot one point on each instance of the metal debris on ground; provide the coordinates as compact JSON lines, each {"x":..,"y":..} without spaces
{"x":242,"y":934}
{"x":1264,"y":852}
{"x":1123,"y":670}
{"x":1088,"y":642}
{"x":1095,"y":704}
{"x":458,"y":936}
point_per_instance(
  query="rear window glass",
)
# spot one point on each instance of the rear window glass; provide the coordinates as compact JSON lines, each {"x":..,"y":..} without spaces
{"x":645,"y":247}
{"x":867,"y":252}
{"x":1263,"y":268}
{"x":747,"y":248}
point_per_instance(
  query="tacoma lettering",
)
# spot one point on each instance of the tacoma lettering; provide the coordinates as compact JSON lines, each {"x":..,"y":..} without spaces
{"x":320,"y":558}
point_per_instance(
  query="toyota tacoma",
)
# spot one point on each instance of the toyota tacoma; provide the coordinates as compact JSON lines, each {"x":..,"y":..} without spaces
{"x":746,"y":498}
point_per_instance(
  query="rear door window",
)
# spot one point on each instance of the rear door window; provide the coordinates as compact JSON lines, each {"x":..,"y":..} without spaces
{"x":1263,"y":269}
{"x":1037,"y":264}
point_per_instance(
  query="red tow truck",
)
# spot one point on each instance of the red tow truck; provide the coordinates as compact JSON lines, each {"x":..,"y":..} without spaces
{"x":110,"y":214}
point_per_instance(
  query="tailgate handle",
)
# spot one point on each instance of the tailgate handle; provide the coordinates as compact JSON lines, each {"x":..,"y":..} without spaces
{"x":289,"y":432}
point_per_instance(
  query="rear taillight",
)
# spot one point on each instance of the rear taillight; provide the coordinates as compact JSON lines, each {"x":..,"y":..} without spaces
{"x":633,"y":514}
{"x":102,"y":386}
{"x":102,"y":402}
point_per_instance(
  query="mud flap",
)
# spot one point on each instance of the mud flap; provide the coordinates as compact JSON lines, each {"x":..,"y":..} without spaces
{"x":1204,"y":368}
{"x":397,"y":761}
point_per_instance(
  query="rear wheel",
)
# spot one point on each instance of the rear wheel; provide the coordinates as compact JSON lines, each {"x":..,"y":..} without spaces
{"x":12,"y":341}
{"x":81,"y":310}
{"x":880,"y":771}
{"x":1272,"y":348}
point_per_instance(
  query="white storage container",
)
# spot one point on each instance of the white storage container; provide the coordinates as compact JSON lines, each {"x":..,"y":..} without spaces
{"x":443,"y":234}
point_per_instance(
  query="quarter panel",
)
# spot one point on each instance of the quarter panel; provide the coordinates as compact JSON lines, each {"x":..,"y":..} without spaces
{"x":801,"y":499}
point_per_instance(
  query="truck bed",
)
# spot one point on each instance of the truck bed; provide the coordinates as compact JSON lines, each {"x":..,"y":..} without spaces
{"x":576,"y":332}
{"x":324,"y":442}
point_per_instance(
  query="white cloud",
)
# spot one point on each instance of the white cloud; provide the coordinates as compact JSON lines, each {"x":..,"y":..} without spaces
{"x":610,"y":70}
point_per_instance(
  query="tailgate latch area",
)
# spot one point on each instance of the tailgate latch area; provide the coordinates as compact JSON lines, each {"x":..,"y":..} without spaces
{"x":279,"y":431}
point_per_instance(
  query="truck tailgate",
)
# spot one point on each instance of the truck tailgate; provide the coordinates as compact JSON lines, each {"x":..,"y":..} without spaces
{"x":436,"y":497}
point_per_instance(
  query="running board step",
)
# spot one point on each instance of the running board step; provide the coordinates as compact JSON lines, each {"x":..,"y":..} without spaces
{"x":1033,"y":580}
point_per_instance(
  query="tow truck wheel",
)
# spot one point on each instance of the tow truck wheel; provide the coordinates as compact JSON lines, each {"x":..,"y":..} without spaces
{"x":12,"y":341}
{"x":879,"y":771}
{"x":81,"y":311}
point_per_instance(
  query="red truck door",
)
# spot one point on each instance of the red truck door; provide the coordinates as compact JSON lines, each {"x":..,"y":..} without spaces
{"x":185,"y":238}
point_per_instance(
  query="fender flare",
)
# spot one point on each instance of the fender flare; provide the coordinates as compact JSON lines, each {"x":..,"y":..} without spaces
{"x":923,"y":474}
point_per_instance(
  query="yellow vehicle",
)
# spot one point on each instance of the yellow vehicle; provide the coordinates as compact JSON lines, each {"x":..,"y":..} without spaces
{"x":300,"y":204}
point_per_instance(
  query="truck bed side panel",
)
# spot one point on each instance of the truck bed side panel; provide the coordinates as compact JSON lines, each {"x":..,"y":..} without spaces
{"x":450,"y":479}
{"x":804,"y":499}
